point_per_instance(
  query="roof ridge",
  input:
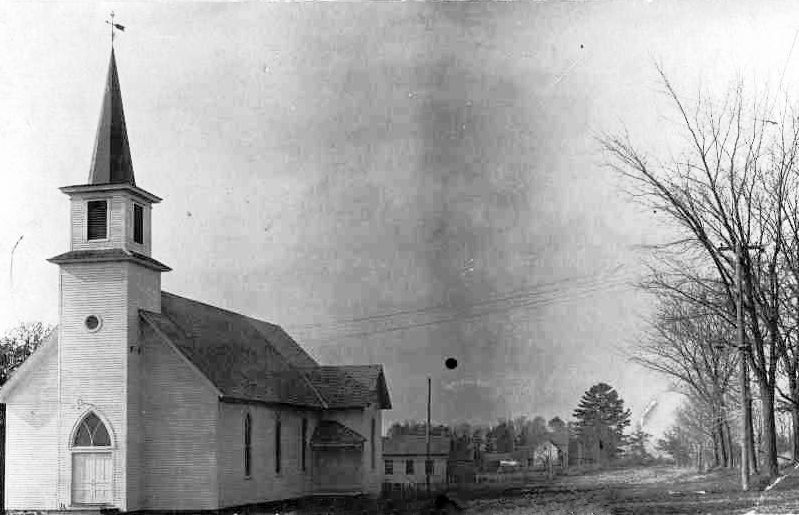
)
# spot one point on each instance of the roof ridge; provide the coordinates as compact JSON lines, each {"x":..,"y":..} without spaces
{"x":147,"y":313}
{"x":224,"y":310}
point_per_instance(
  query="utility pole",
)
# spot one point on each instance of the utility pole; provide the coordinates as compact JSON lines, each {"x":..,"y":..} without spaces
{"x":427,"y":442}
{"x":747,"y":459}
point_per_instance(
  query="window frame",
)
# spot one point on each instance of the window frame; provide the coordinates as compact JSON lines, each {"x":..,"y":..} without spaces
{"x":278,"y":444}
{"x":140,"y":208}
{"x":373,"y":446}
{"x":91,"y":448}
{"x":107,"y":219}
{"x":409,"y":468}
{"x":304,"y":443}
{"x":429,"y":467}
{"x":389,"y":467}
{"x":247,"y":445}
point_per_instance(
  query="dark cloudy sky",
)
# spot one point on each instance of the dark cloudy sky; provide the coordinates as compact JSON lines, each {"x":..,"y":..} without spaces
{"x":391,"y":182}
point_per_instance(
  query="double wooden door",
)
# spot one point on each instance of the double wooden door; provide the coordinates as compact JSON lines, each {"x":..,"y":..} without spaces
{"x":91,"y":477}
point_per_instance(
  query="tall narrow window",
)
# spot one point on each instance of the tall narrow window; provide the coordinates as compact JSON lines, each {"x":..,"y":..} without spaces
{"x":247,"y":444}
{"x":304,"y":442}
{"x":138,"y":223}
{"x":97,"y":220}
{"x":409,"y":467}
{"x":373,"y":445}
{"x":277,"y":446}
{"x":389,"y":467}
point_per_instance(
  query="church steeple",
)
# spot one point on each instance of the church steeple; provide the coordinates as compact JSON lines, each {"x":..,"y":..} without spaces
{"x":110,"y":218}
{"x":111,"y":162}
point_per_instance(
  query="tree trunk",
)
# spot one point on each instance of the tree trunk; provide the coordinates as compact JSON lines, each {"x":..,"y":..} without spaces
{"x":750,"y":443}
{"x":794,"y":388}
{"x":730,"y":445}
{"x":722,"y":443}
{"x":716,"y":443}
{"x":769,"y":428}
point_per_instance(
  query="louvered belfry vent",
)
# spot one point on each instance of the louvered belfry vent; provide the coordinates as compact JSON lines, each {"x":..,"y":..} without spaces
{"x":97,"y":226}
{"x":138,"y":223}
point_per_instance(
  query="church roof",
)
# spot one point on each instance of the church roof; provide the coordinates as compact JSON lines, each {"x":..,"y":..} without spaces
{"x":350,"y":386}
{"x":330,"y":433}
{"x":111,"y":162}
{"x":252,"y":360}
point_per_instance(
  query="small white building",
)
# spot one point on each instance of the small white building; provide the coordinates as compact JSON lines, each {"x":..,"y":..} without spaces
{"x":405,"y":460}
{"x":145,"y":400}
{"x":547,"y":455}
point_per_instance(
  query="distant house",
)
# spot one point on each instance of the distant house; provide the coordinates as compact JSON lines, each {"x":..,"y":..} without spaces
{"x":404,"y":458}
{"x":491,"y":461}
{"x":525,"y":455}
{"x":548,"y":454}
{"x":461,"y":465}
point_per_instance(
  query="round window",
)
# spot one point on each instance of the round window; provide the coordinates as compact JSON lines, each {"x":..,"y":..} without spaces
{"x":92,"y":322}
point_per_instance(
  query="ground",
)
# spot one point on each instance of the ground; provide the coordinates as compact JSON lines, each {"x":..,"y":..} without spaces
{"x":651,"y":490}
{"x":640,"y":490}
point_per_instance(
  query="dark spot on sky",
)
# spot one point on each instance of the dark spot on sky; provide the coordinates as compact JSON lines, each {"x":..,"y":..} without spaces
{"x":581,"y":46}
{"x":451,"y":363}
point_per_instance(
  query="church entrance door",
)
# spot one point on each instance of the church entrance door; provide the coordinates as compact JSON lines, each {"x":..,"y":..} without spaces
{"x":92,"y":462}
{"x":91,"y":477}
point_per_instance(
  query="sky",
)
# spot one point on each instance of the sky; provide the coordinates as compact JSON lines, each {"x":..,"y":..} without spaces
{"x":392,"y":183}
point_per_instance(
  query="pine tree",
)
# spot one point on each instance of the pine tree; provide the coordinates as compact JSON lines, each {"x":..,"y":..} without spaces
{"x":637,"y":446}
{"x":601,"y":420}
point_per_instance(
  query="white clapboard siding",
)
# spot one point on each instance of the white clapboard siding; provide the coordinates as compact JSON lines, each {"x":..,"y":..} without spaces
{"x":399,"y":476}
{"x":32,"y":437}
{"x":118,"y":205}
{"x":130,"y":243}
{"x":93,"y":364}
{"x":264,"y":484}
{"x":180,"y":421}
{"x":144,"y":292}
{"x":359,"y":420}
{"x":120,"y":222}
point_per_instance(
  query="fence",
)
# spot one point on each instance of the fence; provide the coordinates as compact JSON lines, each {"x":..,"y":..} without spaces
{"x":410,"y":491}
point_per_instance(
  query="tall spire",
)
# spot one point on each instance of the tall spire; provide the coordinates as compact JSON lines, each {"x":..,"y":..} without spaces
{"x":111,"y":163}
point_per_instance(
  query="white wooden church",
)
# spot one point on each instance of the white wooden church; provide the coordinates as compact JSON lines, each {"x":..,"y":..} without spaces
{"x":142,"y":400}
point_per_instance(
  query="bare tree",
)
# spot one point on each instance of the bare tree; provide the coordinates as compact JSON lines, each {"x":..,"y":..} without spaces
{"x":19,"y":343}
{"x":693,"y":345}
{"x":728,"y":187}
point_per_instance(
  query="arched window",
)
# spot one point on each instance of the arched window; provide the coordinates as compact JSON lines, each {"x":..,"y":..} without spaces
{"x":91,"y":433}
{"x":247,"y":443}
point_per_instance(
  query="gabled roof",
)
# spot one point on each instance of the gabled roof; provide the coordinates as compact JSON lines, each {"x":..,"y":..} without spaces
{"x":415,"y":445}
{"x":350,"y":386}
{"x":330,"y":433}
{"x":111,"y":162}
{"x":252,"y":360}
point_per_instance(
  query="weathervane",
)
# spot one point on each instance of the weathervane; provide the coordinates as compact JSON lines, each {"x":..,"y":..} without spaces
{"x":114,"y":26}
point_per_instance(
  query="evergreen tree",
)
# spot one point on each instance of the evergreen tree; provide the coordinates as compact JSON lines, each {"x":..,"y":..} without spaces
{"x":636,"y":445}
{"x":601,"y":420}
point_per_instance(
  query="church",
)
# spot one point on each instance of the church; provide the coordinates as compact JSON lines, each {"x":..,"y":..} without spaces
{"x":143,"y":400}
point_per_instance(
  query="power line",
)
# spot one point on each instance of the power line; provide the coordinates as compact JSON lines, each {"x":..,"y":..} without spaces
{"x":546,"y":288}
{"x":531,"y":303}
